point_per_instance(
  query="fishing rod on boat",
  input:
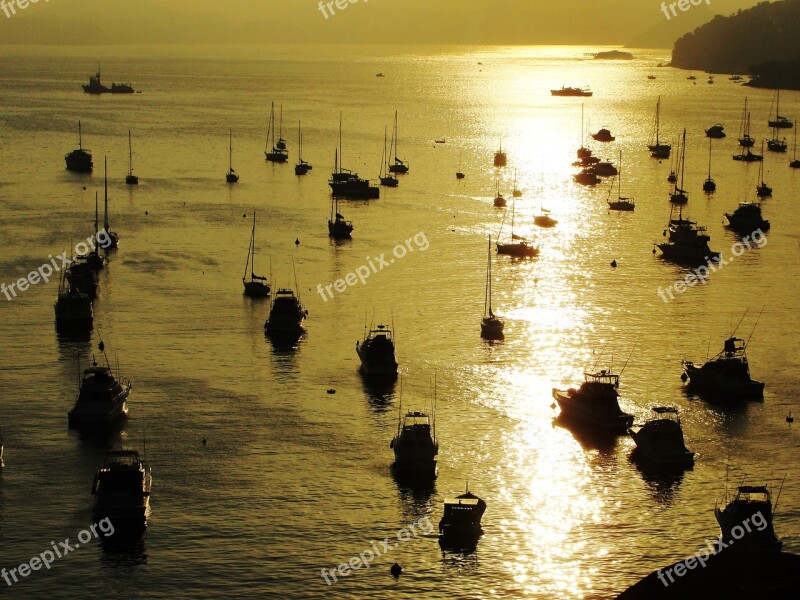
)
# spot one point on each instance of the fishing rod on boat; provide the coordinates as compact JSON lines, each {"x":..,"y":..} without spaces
{"x":747,"y":343}
{"x":629,"y":357}
{"x":742,"y":319}
{"x":775,"y":506}
{"x":601,"y":354}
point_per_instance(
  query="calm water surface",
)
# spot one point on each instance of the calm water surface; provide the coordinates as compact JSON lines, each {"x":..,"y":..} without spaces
{"x":292,"y":479}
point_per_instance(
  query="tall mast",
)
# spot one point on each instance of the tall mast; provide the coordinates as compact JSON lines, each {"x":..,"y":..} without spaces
{"x":683,"y":158}
{"x":105,"y":194}
{"x":230,"y":149}
{"x":619,"y":176}
{"x":299,"y":144}
{"x":709,"y":158}
{"x":80,"y":137}
{"x":130,"y":154}
{"x":396,"y":135}
{"x":95,"y":215}
{"x":658,"y":119}
{"x":341,"y":162}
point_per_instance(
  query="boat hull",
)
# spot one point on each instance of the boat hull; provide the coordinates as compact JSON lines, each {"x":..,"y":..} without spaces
{"x":87,"y":416}
{"x":575,"y":409}
{"x":719,"y":385}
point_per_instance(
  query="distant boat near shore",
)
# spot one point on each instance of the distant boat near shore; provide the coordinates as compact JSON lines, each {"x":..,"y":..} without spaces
{"x":613,"y":55}
{"x":571,"y":91}
{"x":95,"y":86}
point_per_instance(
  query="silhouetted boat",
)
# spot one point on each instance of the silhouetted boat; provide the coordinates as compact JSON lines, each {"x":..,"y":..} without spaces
{"x":231,"y":176}
{"x":398,"y":166}
{"x":687,"y":243}
{"x":93,"y":259}
{"x":587,"y":176}
{"x":518,"y":246}
{"x":595,"y":402}
{"x":256,"y":286}
{"x":660,"y":440}
{"x":748,"y":156}
{"x":286,"y":314}
{"x":500,"y":158}
{"x":338,"y":228}
{"x":715,"y":131}
{"x":79,"y":160}
{"x":461,"y":519}
{"x":779,"y":122}
{"x":621,"y":203}
{"x":745,"y":139}
{"x":415,"y":445}
{"x":278,"y":154}
{"x":121,"y":490}
{"x":130,"y":178}
{"x":709,"y":185}
{"x":302,"y":167}
{"x":347,"y":184}
{"x":101,"y":399}
{"x":604,"y":135}
{"x":514,"y":191}
{"x":95,"y":86}
{"x":491,"y":325}
{"x":571,"y":91}
{"x":499,"y":201}
{"x":795,"y":164}
{"x":386,"y":179}
{"x":111,"y":236}
{"x":376,"y":352}
{"x":747,"y":218}
{"x":762,"y":190}
{"x":727,"y":375}
{"x":748,"y":502}
{"x":657,"y":149}
{"x":459,"y":174}
{"x":604,"y":168}
{"x":678,"y":195}
{"x":73,"y":308}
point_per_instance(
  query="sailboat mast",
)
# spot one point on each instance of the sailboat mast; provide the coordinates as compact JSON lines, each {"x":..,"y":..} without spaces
{"x":230,"y":149}
{"x":396,"y":136}
{"x":658,"y":118}
{"x":341,"y":161}
{"x":105,"y":195}
{"x":383,"y":156}
{"x":709,"y":158}
{"x":130,"y":154}
{"x":80,"y":137}
{"x":299,"y":144}
{"x":95,"y":215}
{"x":683,"y":158}
{"x":619,"y":177}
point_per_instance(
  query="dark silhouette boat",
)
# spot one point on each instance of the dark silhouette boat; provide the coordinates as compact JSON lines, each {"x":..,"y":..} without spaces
{"x":709,"y":185}
{"x":657,"y":149}
{"x":278,"y":153}
{"x":747,"y":218}
{"x":726,"y":375}
{"x":716,"y":132}
{"x":130,"y":178}
{"x":302,"y":167}
{"x":80,"y":159}
{"x":762,"y":190}
{"x":491,"y":325}
{"x":256,"y":286}
{"x":604,"y":135}
{"x":376,"y":352}
{"x":687,"y":242}
{"x":518,"y":246}
{"x":386,"y":178}
{"x":121,"y":490}
{"x":347,"y":184}
{"x":571,"y":91}
{"x":73,"y":307}
{"x":461,"y":519}
{"x":596,"y":402}
{"x":101,"y":399}
{"x":231,"y":176}
{"x":621,"y":203}
{"x":398,"y":166}
{"x":779,"y":122}
{"x":286,"y":315}
{"x":415,"y":445}
{"x":660,"y":440}
{"x":95,"y":86}
{"x":338,"y":227}
{"x":750,"y":504}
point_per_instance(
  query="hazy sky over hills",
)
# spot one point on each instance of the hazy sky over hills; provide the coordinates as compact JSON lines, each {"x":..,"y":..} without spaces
{"x":365,"y":21}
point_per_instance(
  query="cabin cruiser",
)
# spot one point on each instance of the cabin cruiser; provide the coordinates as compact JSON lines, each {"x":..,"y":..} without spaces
{"x":571,"y":91}
{"x":376,"y":352}
{"x":286,"y":314}
{"x":73,"y":307}
{"x":747,"y":218}
{"x":462,"y":517}
{"x":587,"y":177}
{"x":101,"y":399}
{"x":727,"y":374}
{"x":595,"y":402}
{"x":715,"y":131}
{"x":604,"y":135}
{"x":739,"y":511}
{"x":95,"y":86}
{"x":121,"y":490}
{"x":687,"y":242}
{"x":660,"y":440}
{"x":415,"y":445}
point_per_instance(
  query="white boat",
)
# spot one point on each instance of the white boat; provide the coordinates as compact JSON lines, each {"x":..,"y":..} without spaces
{"x":596,"y":402}
{"x":121,"y":490}
{"x":660,"y":440}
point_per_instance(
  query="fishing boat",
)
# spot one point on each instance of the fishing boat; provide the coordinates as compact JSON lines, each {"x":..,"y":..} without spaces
{"x":82,"y":278}
{"x":621,"y":203}
{"x":543,"y":218}
{"x":651,"y":77}
{"x":709,"y":185}
{"x":514,"y":191}
{"x":111,"y":236}
{"x":491,"y":325}
{"x":710,"y":79}
{"x":604,"y":168}
{"x":716,"y":131}
{"x":747,"y":218}
{"x":660,"y":440}
{"x":385,"y":177}
{"x":762,"y":190}
{"x":121,"y":490}
{"x":376,"y":352}
{"x":130,"y":178}
{"x":302,"y":167}
{"x":73,"y":308}
{"x":572,"y":91}
{"x":101,"y":399}
{"x":500,"y":158}
{"x":286,"y":314}
{"x":795,"y":164}
{"x":745,"y":139}
{"x":461,"y":519}
{"x":657,"y":149}
{"x":95,"y":86}
{"x":726,"y":375}
{"x":518,"y":246}
{"x":79,"y":160}
{"x":596,"y":402}
{"x":231,"y":176}
{"x":256,"y":286}
{"x":347,"y":184}
{"x":338,"y":228}
{"x":687,"y":242}
{"x":415,"y":445}
{"x":587,"y":176}
{"x":604,"y":135}
{"x":459,"y":173}
{"x":398,"y":166}
{"x":499,"y":201}
{"x":278,"y":153}
{"x":735,"y":510}
{"x":678,"y":195}
{"x":779,"y":122}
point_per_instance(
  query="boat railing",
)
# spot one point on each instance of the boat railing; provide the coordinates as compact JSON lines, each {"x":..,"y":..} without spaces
{"x":602,"y":376}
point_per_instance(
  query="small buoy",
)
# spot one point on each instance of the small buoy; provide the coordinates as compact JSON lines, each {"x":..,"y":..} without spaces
{"x":684,"y":377}
{"x":204,"y":441}
{"x":147,"y":213}
{"x":790,"y":418}
{"x":614,"y":263}
{"x":553,"y":405}
{"x":84,"y":187}
{"x":101,"y":346}
{"x":331,"y":391}
{"x":244,"y":215}
{"x":396,"y":570}
{"x":654,"y":250}
{"x":297,"y":241}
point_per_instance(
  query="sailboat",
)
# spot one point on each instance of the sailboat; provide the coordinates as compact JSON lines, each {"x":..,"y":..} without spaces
{"x":709,"y":185}
{"x":543,"y":219}
{"x":584,"y":153}
{"x":398,"y":166}
{"x":620,"y":203}
{"x":678,"y":195}
{"x":516,"y":192}
{"x":278,"y":154}
{"x":231,"y":176}
{"x":795,"y":164}
{"x":344,"y":183}
{"x":302,"y":167}
{"x":500,"y":158}
{"x":763,"y":190}
{"x":386,"y":178}
{"x":779,"y":122}
{"x":745,"y":139}
{"x":338,"y":228}
{"x":459,"y":173}
{"x":130,"y":178}
{"x":491,"y":326}
{"x":776,"y":145}
{"x":518,"y":246}
{"x":80,"y":159}
{"x":657,"y":149}
{"x":256,"y":286}
{"x":673,"y":177}
{"x":112,"y":237}
{"x":499,"y":201}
